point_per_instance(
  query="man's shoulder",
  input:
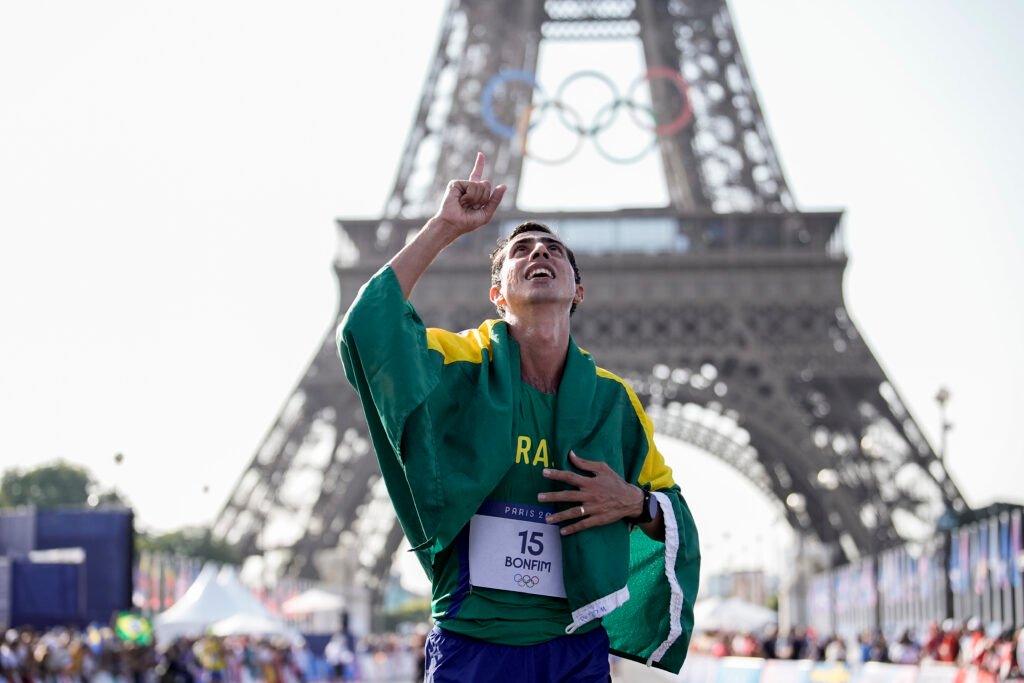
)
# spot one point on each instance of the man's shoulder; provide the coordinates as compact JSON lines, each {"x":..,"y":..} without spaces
{"x":612,"y":380}
{"x":467,"y":346}
{"x":606,"y":379}
{"x":615,"y":384}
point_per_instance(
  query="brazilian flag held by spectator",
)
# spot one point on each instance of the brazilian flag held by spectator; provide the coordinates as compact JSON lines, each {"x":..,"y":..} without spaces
{"x":133,"y":628}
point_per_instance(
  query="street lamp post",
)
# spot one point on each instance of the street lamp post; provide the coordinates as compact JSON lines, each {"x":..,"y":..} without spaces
{"x":118,"y":463}
{"x":941,"y":397}
{"x":947,"y":521}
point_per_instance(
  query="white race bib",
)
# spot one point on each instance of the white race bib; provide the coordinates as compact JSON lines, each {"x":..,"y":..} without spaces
{"x":513,"y":549}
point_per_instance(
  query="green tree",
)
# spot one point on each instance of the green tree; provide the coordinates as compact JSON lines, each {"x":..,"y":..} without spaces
{"x":190,"y":542}
{"x":48,"y":486}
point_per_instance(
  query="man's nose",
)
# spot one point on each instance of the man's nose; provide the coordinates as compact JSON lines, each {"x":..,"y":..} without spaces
{"x":538,"y":251}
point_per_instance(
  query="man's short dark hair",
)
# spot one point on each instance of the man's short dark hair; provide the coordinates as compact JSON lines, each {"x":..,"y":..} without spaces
{"x":498,"y":256}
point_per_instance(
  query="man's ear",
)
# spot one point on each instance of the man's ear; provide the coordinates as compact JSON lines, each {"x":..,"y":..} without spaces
{"x":578,"y":299}
{"x":497,"y":298}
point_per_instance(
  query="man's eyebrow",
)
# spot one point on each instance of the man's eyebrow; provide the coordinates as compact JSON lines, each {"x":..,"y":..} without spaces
{"x":546,"y":240}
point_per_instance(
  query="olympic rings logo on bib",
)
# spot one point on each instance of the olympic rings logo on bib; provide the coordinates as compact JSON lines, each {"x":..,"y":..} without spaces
{"x":572,"y":121}
{"x":526,"y":581}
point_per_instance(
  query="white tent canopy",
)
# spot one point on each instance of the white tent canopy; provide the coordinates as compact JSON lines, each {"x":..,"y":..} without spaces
{"x":214,"y":596}
{"x":252,"y":625}
{"x":731,"y":614}
{"x":245,"y":601}
{"x":312,"y":601}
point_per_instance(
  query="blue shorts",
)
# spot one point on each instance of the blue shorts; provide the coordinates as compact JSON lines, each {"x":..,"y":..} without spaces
{"x":455,"y":658}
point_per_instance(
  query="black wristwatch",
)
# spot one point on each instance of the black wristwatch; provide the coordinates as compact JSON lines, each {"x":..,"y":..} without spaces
{"x":649,"y":512}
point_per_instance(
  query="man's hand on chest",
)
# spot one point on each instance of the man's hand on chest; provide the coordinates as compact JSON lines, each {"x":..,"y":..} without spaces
{"x":601,"y":498}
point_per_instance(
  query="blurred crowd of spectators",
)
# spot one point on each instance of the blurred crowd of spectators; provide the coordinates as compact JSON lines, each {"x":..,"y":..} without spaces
{"x":377,"y":657}
{"x":69,"y":656}
{"x":60,"y":655}
{"x":998,"y":651}
{"x":98,"y":655}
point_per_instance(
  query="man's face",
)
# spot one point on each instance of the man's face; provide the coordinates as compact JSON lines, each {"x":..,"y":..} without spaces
{"x":536,"y":270}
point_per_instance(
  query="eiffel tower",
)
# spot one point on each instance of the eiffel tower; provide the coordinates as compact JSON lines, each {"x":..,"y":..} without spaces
{"x":723,"y":308}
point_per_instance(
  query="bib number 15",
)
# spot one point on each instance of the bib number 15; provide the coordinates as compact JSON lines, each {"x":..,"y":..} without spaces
{"x":533,"y":542}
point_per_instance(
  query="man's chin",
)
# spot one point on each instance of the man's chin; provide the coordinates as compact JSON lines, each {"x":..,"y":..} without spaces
{"x":542,"y":298}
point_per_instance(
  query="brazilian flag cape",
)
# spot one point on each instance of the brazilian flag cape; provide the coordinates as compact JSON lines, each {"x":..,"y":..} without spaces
{"x":439,"y":407}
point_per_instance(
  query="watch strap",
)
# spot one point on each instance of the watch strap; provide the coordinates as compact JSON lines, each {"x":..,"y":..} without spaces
{"x":645,"y":514}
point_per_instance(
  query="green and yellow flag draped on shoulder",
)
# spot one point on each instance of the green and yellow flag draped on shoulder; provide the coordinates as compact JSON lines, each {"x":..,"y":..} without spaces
{"x":439,"y":407}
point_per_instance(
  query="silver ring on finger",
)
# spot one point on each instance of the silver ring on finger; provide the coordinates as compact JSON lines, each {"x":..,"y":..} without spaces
{"x":582,"y":511}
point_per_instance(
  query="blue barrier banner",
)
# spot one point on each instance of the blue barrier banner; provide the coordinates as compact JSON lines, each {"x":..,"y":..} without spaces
{"x":829,"y":672}
{"x":973,"y":674}
{"x":699,"y":669}
{"x":703,"y":668}
{"x":931,"y":672}
{"x":876,"y":672}
{"x":786,"y":671}
{"x":739,"y":670}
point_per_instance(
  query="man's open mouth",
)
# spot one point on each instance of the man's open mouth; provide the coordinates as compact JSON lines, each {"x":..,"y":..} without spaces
{"x":540,"y":272}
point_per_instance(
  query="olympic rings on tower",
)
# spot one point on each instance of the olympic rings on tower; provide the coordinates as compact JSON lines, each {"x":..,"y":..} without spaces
{"x":534,"y":111}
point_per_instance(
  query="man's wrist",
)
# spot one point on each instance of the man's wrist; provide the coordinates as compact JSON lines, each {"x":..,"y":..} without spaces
{"x":643,"y":514}
{"x":446,"y":231}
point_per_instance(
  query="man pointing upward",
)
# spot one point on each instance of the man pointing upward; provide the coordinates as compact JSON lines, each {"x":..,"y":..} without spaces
{"x":518,"y":468}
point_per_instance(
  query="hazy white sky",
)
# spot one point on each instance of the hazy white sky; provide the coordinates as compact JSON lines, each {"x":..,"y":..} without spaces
{"x":170,"y":174}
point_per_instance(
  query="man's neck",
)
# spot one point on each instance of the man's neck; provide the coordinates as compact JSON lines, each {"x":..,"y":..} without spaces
{"x":543,"y":337}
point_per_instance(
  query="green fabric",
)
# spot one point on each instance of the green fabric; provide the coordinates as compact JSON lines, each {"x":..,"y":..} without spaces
{"x":442,"y":428}
{"x":499,"y":616}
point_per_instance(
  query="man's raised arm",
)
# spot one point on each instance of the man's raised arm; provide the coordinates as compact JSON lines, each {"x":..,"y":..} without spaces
{"x":467,"y":205}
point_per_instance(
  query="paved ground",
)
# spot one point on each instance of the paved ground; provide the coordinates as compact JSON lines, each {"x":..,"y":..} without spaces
{"x":631,"y":672}
{"x":624,"y":672}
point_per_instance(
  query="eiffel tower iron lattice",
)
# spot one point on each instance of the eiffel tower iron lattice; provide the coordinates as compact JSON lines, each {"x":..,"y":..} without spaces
{"x":723,"y":309}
